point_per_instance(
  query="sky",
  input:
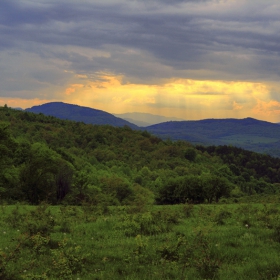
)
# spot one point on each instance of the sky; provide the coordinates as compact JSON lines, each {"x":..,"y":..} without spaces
{"x":191,"y":59}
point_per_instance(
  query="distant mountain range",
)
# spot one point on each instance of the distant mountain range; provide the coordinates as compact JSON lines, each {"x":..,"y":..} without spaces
{"x":79,"y":113}
{"x":248,"y":133}
{"x":145,"y":119}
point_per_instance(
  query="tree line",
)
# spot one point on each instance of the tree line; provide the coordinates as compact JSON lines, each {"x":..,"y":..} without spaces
{"x":48,"y":159}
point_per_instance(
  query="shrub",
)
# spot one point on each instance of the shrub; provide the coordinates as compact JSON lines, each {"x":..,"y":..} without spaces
{"x":148,"y":223}
{"x":32,"y":222}
{"x":190,"y":154}
{"x":67,"y":261}
{"x":188,"y":210}
{"x":221,"y":217}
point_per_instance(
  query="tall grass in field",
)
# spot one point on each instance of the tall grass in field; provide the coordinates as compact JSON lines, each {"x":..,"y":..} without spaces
{"x":235,"y":241}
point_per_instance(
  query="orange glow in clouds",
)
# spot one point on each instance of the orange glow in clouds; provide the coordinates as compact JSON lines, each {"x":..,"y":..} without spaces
{"x":73,"y":88}
{"x":22,"y":103}
{"x":183,"y":98}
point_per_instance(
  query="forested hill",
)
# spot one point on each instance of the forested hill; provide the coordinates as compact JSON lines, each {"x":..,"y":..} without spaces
{"x":249,"y":133}
{"x":80,"y":114}
{"x":44,"y":158}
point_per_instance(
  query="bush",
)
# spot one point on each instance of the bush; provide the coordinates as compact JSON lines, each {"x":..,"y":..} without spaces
{"x":190,"y":154}
{"x":222,"y":216}
{"x":32,"y":222}
{"x":148,"y":223}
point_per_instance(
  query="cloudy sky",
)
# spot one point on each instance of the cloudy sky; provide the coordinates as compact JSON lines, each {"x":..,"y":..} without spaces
{"x":191,"y":59}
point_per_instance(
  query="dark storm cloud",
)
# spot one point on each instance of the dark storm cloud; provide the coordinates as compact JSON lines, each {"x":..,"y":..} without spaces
{"x":231,"y":39}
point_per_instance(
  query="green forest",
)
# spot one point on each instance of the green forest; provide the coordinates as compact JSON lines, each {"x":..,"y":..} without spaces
{"x":81,"y":201}
{"x":46,"y":159}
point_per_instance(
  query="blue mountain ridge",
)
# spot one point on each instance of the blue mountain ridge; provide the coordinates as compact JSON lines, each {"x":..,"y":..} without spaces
{"x":249,"y":133}
{"x":80,"y":113}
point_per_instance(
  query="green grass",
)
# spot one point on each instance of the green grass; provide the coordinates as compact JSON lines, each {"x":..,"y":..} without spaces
{"x":234,"y":241}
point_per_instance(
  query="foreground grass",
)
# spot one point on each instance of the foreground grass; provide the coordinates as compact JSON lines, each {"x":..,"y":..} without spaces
{"x":238,"y":241}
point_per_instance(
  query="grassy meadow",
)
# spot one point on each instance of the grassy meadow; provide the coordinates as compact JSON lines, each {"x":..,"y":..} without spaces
{"x":130,"y":189}
{"x":219,"y":241}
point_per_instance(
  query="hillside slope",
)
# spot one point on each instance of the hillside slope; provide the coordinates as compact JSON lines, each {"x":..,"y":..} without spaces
{"x":80,"y":114}
{"x":145,"y":119}
{"x":44,"y":158}
{"x":248,"y":133}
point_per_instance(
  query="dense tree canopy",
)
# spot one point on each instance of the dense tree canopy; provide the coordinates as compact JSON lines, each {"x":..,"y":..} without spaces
{"x":47,"y":159}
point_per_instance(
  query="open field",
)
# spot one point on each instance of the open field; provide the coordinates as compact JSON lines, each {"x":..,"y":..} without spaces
{"x":234,"y":241}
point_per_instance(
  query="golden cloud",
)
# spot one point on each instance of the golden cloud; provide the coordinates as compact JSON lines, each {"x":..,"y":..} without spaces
{"x":183,"y":98}
{"x":22,"y":103}
{"x":73,"y":88}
